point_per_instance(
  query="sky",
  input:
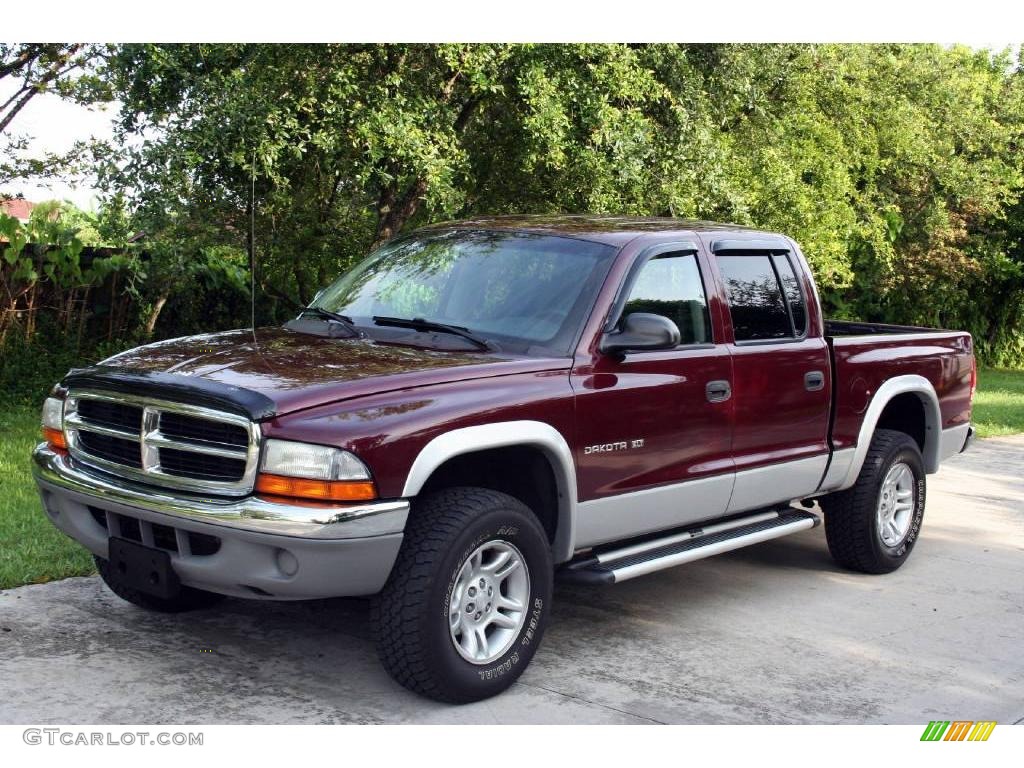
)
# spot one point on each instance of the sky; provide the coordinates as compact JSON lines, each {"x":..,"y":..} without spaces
{"x":54,"y":125}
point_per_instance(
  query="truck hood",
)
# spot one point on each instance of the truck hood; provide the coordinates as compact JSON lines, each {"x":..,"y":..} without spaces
{"x":297,"y":371}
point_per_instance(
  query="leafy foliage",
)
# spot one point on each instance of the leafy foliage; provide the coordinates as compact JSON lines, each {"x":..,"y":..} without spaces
{"x":897,"y":167}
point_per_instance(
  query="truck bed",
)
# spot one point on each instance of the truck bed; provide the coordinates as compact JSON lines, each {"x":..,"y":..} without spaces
{"x":865,"y":355}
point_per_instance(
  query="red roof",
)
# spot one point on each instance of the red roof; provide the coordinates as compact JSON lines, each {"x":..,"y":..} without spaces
{"x":19,"y":209}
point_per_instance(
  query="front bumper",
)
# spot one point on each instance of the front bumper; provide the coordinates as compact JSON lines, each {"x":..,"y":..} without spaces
{"x":265,"y":549}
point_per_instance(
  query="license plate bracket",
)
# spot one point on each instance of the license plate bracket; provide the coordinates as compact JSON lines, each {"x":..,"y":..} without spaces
{"x":143,"y":568}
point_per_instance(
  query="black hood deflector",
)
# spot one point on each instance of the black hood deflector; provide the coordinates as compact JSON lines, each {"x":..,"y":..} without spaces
{"x":193,"y":390}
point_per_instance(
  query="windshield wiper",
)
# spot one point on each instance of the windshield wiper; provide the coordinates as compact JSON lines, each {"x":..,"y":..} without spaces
{"x":419,"y":324}
{"x":326,"y":313}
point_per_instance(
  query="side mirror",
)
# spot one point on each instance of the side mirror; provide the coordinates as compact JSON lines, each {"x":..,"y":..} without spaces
{"x":641,"y":331}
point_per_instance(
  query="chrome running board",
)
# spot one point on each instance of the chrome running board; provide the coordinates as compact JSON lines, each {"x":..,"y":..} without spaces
{"x":611,"y":566}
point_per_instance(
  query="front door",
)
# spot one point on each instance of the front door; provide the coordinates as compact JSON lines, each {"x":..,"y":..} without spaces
{"x":654,"y":428}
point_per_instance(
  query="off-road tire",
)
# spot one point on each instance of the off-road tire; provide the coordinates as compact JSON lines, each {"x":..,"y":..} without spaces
{"x":410,"y":615}
{"x":189,"y":599}
{"x":851,"y":522}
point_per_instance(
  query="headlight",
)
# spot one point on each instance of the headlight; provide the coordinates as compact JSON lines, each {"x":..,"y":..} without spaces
{"x":318,"y":472}
{"x":53,"y":423}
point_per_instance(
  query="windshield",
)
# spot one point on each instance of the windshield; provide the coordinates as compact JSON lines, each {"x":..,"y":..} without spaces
{"x":519,"y":291}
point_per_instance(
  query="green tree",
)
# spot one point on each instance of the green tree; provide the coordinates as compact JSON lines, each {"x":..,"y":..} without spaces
{"x":896,"y":166}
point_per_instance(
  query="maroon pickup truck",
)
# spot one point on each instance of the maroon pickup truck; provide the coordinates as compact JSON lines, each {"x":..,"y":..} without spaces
{"x":480,"y":406}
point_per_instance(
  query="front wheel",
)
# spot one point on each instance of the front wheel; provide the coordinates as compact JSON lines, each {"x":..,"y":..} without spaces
{"x":872,"y":526}
{"x":466,"y":604}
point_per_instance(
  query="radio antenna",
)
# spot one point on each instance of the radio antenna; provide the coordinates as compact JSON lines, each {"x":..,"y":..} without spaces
{"x":252,"y":251}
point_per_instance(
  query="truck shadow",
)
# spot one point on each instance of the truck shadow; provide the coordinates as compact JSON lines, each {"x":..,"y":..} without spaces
{"x":807,"y":551}
{"x":696,"y":583}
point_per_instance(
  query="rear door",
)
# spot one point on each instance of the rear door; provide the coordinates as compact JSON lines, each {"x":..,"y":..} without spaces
{"x":653,"y":450}
{"x":781,"y":373}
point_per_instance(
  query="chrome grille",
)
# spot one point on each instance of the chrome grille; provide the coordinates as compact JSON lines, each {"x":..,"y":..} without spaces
{"x":171,"y":444}
{"x":127,"y":452}
{"x":175,"y":425}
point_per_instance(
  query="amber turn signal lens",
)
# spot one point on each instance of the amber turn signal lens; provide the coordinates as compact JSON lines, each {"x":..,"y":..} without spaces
{"x":55,"y":438}
{"x":316,"y":490}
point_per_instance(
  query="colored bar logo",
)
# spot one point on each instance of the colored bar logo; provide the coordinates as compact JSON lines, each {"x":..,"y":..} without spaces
{"x":958,"y":730}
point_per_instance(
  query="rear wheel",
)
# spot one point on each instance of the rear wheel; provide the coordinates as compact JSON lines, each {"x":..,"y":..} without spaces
{"x":466,"y":604}
{"x":872,"y":526}
{"x":189,"y":599}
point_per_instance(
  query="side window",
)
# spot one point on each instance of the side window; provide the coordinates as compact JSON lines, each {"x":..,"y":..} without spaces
{"x":791,"y":288}
{"x":755,"y":298}
{"x":670,"y":285}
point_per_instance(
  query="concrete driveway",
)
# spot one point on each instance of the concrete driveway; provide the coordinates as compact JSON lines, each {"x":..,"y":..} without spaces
{"x":771,"y":634}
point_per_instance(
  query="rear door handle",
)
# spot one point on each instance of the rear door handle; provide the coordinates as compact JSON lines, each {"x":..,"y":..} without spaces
{"x":718,"y":391}
{"x":814,"y":381}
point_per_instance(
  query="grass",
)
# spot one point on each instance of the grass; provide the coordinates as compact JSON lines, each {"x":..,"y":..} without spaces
{"x":999,"y":402}
{"x":33,"y":551}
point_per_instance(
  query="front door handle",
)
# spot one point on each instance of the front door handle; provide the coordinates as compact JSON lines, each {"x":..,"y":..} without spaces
{"x":718,"y":391}
{"x":814,"y":381}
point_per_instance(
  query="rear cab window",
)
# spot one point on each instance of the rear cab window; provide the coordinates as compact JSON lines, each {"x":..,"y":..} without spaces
{"x":766,"y":302}
{"x":791,"y":290}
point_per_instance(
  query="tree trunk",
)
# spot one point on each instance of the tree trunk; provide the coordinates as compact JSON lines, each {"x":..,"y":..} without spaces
{"x":81,"y":318}
{"x":154,"y":313}
{"x":303,"y":285}
{"x":113,"y":305}
{"x":6,"y":323}
{"x":393,"y":214}
{"x":30,"y":322}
